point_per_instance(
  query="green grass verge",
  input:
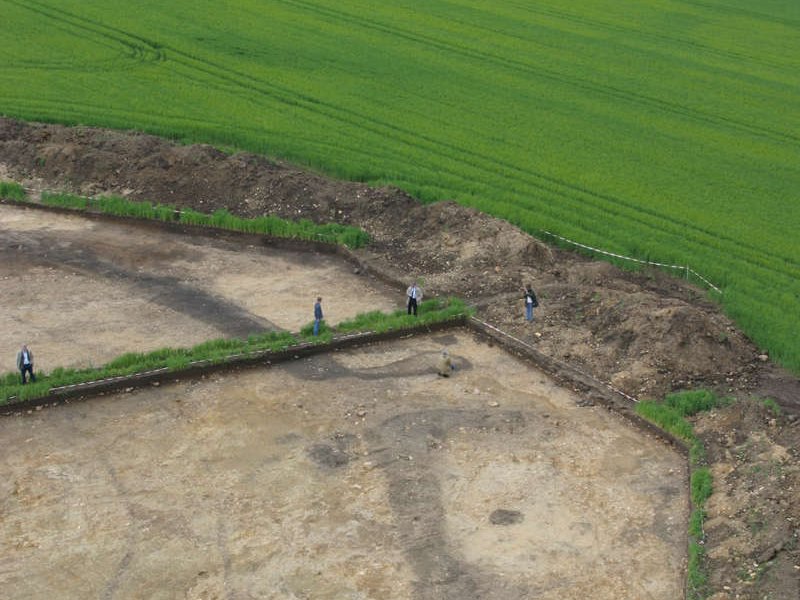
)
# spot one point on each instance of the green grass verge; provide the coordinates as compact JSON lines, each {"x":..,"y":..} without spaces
{"x":430,"y":311}
{"x":219,"y":350}
{"x":697,"y":574}
{"x":332,"y":233}
{"x":671,"y":415}
{"x":135,"y":362}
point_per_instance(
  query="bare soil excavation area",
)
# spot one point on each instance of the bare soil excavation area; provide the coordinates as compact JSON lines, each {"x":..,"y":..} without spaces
{"x":80,"y":292}
{"x":355,"y":474}
{"x":646,"y":333}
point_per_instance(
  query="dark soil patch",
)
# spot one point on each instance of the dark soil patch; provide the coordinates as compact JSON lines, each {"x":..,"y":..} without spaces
{"x":64,"y":249}
{"x":326,"y":455}
{"x":503,"y":516}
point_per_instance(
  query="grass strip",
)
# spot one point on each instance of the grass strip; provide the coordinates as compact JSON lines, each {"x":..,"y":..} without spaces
{"x":131,"y":363}
{"x":430,"y":311}
{"x":220,"y":350}
{"x":671,"y":415}
{"x":304,"y":229}
{"x":332,"y":233}
{"x":12,"y":191}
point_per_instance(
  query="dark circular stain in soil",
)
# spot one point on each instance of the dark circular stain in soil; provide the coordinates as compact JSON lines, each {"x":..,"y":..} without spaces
{"x":328,"y":456}
{"x":503,"y":516}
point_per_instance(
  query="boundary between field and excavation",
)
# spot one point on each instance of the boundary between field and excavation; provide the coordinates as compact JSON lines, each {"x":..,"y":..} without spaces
{"x":326,"y":245}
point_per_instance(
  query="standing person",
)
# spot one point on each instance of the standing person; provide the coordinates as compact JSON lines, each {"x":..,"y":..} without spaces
{"x":25,"y":363}
{"x":530,"y":303}
{"x":414,"y":294}
{"x":317,"y":315}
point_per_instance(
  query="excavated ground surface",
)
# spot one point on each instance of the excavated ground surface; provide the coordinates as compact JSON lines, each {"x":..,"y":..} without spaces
{"x":80,"y":292}
{"x":645,"y":333}
{"x":358,"y":474}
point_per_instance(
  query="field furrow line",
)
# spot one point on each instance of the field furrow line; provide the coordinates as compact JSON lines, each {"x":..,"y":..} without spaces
{"x":547,"y":74}
{"x":649,"y":35}
{"x":538,"y":181}
{"x":716,"y":7}
{"x":138,"y":48}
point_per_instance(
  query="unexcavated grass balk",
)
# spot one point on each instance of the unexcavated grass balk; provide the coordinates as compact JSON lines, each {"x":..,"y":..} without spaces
{"x":304,"y":229}
{"x":430,"y":311}
{"x":221,"y":350}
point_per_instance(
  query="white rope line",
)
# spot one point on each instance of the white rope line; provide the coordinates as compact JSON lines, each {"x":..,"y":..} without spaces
{"x":706,"y":281}
{"x":685,"y":268}
{"x":529,"y":346}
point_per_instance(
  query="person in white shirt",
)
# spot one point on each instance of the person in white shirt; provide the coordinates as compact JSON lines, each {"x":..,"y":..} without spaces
{"x":414,"y":294}
{"x":25,"y":363}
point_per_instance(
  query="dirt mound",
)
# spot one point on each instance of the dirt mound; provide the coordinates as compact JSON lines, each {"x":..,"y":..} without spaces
{"x":753,"y":528}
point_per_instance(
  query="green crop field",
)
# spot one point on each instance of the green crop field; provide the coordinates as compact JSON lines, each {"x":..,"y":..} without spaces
{"x":655,"y":128}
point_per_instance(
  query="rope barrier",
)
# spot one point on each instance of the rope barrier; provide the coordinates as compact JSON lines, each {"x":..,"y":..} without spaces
{"x":685,"y":268}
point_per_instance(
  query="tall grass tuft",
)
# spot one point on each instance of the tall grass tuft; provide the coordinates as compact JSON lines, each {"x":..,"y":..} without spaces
{"x":332,"y":233}
{"x":65,"y":201}
{"x":701,"y":484}
{"x":690,"y":403}
{"x":12,"y":191}
{"x":430,"y":311}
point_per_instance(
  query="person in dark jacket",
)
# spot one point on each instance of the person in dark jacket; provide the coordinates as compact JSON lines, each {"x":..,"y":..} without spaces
{"x":317,"y":315}
{"x":530,"y":303}
{"x":25,"y":364}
